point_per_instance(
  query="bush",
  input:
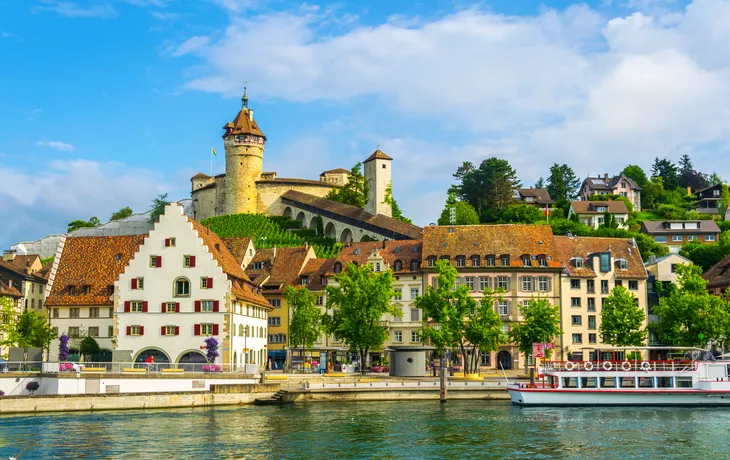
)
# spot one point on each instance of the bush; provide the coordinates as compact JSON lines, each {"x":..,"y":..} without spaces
{"x":2,"y":393}
{"x":724,"y":225}
{"x":672,"y":212}
{"x":32,"y":387}
{"x":522,"y":214}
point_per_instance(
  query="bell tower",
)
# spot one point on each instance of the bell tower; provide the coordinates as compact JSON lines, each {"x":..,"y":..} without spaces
{"x":244,"y":144}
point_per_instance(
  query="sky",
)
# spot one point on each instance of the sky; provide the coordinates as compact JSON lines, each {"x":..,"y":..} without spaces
{"x":109,"y":103}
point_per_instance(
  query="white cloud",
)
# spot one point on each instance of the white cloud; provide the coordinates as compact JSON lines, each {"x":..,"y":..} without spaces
{"x":57,"y":145}
{"x":237,"y":6}
{"x":191,"y":45}
{"x":102,"y":10}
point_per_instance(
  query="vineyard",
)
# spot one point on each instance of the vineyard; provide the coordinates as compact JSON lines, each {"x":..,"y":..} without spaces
{"x":273,"y":231}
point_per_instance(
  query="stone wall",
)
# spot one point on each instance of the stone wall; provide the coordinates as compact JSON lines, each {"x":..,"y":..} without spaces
{"x":270,"y":191}
{"x":244,"y":164}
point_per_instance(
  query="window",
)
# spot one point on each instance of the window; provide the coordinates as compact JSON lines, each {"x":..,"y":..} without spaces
{"x":206,"y":306}
{"x":490,"y":261}
{"x":576,"y":320}
{"x":633,"y":285}
{"x":171,"y":242}
{"x":32,"y":303}
{"x":618,"y":283}
{"x":592,"y":338}
{"x":155,"y":261}
{"x":591,"y":322}
{"x":135,"y":330}
{"x":276,"y":303}
{"x":274,"y":321}
{"x":469,"y":281}
{"x":182,"y":287}
{"x":527,"y":283}
{"x":605,"y":262}
{"x":397,"y":336}
{"x":505,"y":329}
{"x":677,"y":238}
{"x":709,"y":237}
{"x":415,"y":337}
{"x":415,"y":314}
{"x":691,"y":237}
{"x":170,"y":307}
{"x":136,"y":306}
{"x":475,"y":260}
{"x":574,"y":284}
{"x":543,"y":283}
{"x":94,"y":312}
{"x":74,"y":313}
{"x":503,"y":307}
{"x":622,"y":264}
{"x":431,"y":261}
{"x":40,"y":303}
{"x":673,"y":268}
{"x":414,"y":293}
{"x":590,"y":286}
{"x":684,"y":382}
{"x":577,"y":338}
{"x":377,"y":268}
{"x":93,"y":332}
{"x":542,"y":261}
{"x":601,"y":209}
{"x":110,"y":331}
{"x":604,"y":286}
{"x":188,"y":261}
{"x":397,"y":266}
{"x":169,"y":330}
{"x":277,"y":338}
{"x":503,"y":283}
{"x":525,"y":305}
{"x":526,"y":261}
{"x":505,"y":261}
{"x":73,"y":331}
{"x":483,"y":283}
{"x":206,"y":329}
{"x":577,"y":262}
{"x":205,"y":282}
{"x":415,"y":265}
{"x":660,"y":238}
{"x":319,"y":300}
{"x":460,"y":262}
{"x":55,"y":312}
{"x":575,"y":301}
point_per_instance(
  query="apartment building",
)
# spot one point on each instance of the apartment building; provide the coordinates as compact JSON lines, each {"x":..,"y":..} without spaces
{"x":675,"y":233}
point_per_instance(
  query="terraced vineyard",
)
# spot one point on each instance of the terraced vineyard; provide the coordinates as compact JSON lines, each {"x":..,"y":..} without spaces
{"x":273,"y":231}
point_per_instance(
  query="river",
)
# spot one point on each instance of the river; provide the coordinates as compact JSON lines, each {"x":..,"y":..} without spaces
{"x":472,"y":429}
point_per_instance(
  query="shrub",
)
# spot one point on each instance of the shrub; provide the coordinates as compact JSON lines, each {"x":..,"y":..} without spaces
{"x":63,"y":347}
{"x":65,"y":367}
{"x":32,"y":387}
{"x":2,"y":393}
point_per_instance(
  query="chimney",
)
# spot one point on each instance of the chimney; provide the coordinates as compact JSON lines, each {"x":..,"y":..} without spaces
{"x":384,"y":240}
{"x":9,"y":255}
{"x":605,"y":175}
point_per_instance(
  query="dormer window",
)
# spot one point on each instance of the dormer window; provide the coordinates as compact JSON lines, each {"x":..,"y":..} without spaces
{"x":622,"y":264}
{"x":431,"y":261}
{"x":71,"y":289}
{"x":398,"y":265}
{"x":526,"y":261}
{"x":337,"y":268}
{"x":396,"y":250}
{"x":110,"y":290}
{"x":258,"y":265}
{"x":505,"y":261}
{"x":85,"y":289}
{"x":415,"y":264}
{"x":475,"y":261}
{"x":357,"y":251}
{"x":461,"y":261}
{"x":324,"y":281}
{"x":491,"y":261}
{"x":542,"y":261}
{"x":377,"y":266}
{"x":601,"y":209}
{"x":529,"y":199}
{"x":305,"y":280}
{"x":577,"y":262}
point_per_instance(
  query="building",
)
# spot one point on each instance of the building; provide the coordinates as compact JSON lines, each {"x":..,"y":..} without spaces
{"x":618,"y":185}
{"x":708,"y":200}
{"x":519,"y":259}
{"x":24,"y":272}
{"x":8,"y":291}
{"x":538,"y":197}
{"x":718,"y":277}
{"x":674,"y":234}
{"x":272,"y":270}
{"x":181,"y":287}
{"x":592,"y":268}
{"x":592,"y":213}
{"x":82,"y":291}
{"x":661,"y":272}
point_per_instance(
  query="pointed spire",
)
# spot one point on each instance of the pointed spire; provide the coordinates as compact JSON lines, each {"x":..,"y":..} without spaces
{"x":244,"y":99}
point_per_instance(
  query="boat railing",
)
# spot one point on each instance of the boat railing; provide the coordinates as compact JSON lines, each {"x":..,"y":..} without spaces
{"x":627,"y":366}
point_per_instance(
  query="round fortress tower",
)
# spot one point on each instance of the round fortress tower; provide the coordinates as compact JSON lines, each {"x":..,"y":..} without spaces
{"x":244,"y":145}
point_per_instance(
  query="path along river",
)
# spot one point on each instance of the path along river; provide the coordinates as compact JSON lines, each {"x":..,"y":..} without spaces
{"x":467,"y":429}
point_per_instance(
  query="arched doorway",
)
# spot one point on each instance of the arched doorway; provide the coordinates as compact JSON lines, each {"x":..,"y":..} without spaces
{"x":329,"y":231}
{"x":159,"y":356}
{"x":504,"y":360}
{"x":288,"y":213}
{"x":346,"y":236}
{"x":192,"y":361}
{"x":301,"y":217}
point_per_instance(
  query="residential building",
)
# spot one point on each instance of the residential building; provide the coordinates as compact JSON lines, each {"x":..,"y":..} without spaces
{"x":708,"y":200}
{"x":538,"y":197}
{"x":181,"y":287}
{"x":273,"y":270}
{"x":242,"y":249}
{"x":718,"y":277}
{"x":618,"y":185}
{"x":8,"y":291}
{"x":520,"y":259}
{"x":661,"y":272}
{"x":674,"y":234}
{"x":592,"y":268}
{"x":592,"y":213}
{"x":81,"y":289}
{"x":24,"y":272}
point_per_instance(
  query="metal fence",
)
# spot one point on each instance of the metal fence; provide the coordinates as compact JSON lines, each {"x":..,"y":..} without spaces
{"x":127,"y":368}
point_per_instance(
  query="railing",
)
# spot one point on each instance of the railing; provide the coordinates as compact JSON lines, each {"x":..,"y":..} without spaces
{"x":453,"y":384}
{"x":122,"y":367}
{"x":627,"y":366}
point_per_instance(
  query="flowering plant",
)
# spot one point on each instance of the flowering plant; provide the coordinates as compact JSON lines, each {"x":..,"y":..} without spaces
{"x":65,"y":367}
{"x":211,"y":368}
{"x":63,"y":347}
{"x":211,"y":344}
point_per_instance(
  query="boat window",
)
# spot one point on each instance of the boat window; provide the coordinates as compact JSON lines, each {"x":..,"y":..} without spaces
{"x":664,"y":382}
{"x":588,"y":382}
{"x":608,"y":382}
{"x":646,"y":382}
{"x":570,"y":382}
{"x":684,"y":382}
{"x":627,"y":382}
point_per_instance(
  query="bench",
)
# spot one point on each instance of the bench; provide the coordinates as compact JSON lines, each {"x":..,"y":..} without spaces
{"x":335,"y":374}
{"x":277,"y":377}
{"x":134,"y":370}
{"x":173,"y":371}
{"x":93,"y":369}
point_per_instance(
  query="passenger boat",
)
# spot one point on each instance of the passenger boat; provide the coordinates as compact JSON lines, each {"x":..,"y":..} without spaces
{"x":695,"y":380}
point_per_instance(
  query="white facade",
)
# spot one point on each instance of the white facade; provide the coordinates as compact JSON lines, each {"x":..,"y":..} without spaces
{"x":173,"y":295}
{"x":80,"y":321}
{"x":379,"y":177}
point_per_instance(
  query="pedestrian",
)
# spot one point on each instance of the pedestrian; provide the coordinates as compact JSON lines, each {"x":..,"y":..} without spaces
{"x":150,"y":362}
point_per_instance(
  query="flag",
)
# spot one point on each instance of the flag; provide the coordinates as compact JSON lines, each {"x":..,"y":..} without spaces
{"x":212,"y":150}
{"x":547,"y":211}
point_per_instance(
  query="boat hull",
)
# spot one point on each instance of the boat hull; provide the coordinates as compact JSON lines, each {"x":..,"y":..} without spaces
{"x":559,"y":397}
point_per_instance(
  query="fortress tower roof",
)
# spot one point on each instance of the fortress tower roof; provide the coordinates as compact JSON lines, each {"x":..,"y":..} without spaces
{"x":244,"y":122}
{"x":378,"y":155}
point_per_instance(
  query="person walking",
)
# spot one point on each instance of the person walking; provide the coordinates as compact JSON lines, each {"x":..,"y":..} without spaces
{"x":150,"y":362}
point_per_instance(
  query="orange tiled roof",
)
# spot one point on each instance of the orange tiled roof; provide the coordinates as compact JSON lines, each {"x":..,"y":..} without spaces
{"x":515,"y":240}
{"x":393,"y":250}
{"x":243,"y":124}
{"x":590,"y":207}
{"x":9,"y":291}
{"x":286,"y":266}
{"x":94,"y":261}
{"x":378,"y":155}
{"x":315,"y":270}
{"x":568,"y":248}
{"x":237,"y":247}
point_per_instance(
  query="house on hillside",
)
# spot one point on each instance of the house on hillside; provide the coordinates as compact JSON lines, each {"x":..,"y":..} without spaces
{"x":538,"y":197}
{"x":708,"y":200}
{"x":617,"y":185}
{"x":674,"y":234}
{"x":592,"y":213}
{"x":718,"y":277}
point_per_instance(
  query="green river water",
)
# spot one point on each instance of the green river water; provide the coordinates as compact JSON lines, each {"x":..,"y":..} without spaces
{"x":466,"y":429}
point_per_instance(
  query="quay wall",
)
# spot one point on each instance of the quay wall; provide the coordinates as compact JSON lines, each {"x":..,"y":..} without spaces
{"x":395,"y":394}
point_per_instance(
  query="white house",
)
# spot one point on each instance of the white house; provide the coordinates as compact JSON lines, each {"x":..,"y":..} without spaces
{"x":592,"y":213}
{"x":182,"y":287}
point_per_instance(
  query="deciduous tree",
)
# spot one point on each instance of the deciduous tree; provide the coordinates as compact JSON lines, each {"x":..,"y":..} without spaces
{"x":489,"y":188}
{"x":28,"y":329}
{"x":354,"y":192}
{"x":637,"y":174}
{"x":621,"y":319}
{"x":158,"y":208}
{"x":305,"y":325}
{"x":89,"y":347}
{"x":465,"y":214}
{"x":522,"y":213}
{"x":122,"y":213}
{"x":541,"y":324}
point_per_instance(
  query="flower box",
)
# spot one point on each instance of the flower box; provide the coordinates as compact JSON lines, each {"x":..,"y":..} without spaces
{"x":212,"y":368}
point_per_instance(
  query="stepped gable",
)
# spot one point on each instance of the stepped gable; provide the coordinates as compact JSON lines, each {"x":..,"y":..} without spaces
{"x":718,"y":276}
{"x":280,"y":266}
{"x":343,"y":212}
{"x":390,"y":250}
{"x":94,"y":262}
{"x":515,"y":240}
{"x":568,"y":248}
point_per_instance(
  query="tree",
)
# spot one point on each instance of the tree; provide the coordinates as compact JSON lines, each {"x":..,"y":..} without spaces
{"x":540,"y":183}
{"x":707,"y":255}
{"x":667,"y":171}
{"x":522,"y":213}
{"x":724,"y":200}
{"x":32,"y":387}
{"x":122,"y":213}
{"x":358,"y":303}
{"x":63,"y":347}
{"x":689,"y":316}
{"x":563,"y":184}
{"x":89,"y":347}
{"x":489,"y":188}
{"x":305,"y":324}
{"x":637,"y":174}
{"x":158,"y":208}
{"x":77,"y":224}
{"x":453,"y":319}
{"x":396,"y":212}
{"x":465,"y":213}
{"x":541,"y":325}
{"x":651,"y":192}
{"x":621,"y":319}
{"x":609,"y":221}
{"x":715,"y":179}
{"x":354,"y":192}
{"x":25,"y":330}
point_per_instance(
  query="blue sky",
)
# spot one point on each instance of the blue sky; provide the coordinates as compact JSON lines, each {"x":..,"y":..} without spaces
{"x":107,"y":103}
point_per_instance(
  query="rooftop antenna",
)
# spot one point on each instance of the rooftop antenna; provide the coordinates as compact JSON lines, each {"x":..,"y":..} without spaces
{"x":244,"y":99}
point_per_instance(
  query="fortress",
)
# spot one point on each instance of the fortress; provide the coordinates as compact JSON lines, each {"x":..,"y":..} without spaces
{"x":246,"y":188}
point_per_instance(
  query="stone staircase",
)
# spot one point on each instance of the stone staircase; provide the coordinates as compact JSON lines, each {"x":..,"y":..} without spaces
{"x":277,"y":399}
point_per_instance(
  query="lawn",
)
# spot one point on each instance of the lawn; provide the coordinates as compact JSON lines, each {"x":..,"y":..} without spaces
{"x":649,"y":215}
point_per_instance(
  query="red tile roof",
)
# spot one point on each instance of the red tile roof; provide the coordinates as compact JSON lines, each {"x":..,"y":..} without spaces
{"x":377,"y":155}
{"x":718,"y":276}
{"x":590,"y":207}
{"x":238,"y":247}
{"x":315,"y":270}
{"x":285,"y":268}
{"x":391,"y":251}
{"x":568,"y":249}
{"x":9,"y":291}
{"x":243,"y":124}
